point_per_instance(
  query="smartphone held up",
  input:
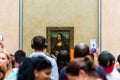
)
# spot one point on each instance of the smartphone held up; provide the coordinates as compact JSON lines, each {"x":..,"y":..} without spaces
{"x":92,"y":46}
{"x":1,"y":38}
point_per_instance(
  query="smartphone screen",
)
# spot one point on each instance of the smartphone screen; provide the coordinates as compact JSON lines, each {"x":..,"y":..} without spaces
{"x":92,"y":45}
{"x":0,"y":38}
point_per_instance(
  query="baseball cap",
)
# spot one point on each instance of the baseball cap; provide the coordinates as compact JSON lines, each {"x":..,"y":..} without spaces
{"x":106,"y":60}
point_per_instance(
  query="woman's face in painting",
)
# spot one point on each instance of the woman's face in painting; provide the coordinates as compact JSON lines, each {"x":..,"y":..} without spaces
{"x":59,"y":37}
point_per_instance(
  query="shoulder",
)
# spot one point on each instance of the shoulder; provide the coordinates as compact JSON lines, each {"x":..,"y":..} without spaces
{"x":114,"y":75}
{"x":43,"y":55}
{"x":12,"y":75}
{"x":115,"y":72}
{"x":62,"y":74}
{"x":33,"y":54}
{"x":50,"y":58}
{"x":99,"y":68}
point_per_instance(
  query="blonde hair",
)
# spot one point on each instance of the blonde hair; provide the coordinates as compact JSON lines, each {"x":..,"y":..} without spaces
{"x":8,"y":57}
{"x":8,"y":67}
{"x":2,"y":69}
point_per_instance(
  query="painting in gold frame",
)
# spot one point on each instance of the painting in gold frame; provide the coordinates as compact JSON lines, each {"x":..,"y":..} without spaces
{"x":60,"y":38}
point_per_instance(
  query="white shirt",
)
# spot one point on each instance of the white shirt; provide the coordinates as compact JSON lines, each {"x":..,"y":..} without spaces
{"x":114,"y":75}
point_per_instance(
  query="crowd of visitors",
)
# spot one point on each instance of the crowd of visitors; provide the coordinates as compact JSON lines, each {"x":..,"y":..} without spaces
{"x":41,"y":66}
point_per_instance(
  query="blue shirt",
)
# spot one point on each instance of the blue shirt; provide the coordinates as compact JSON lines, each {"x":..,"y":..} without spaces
{"x":13,"y":75}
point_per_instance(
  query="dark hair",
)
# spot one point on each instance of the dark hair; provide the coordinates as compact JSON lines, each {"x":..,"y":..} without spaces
{"x":28,"y":65}
{"x":84,"y":64}
{"x":106,"y":59}
{"x":81,"y":50}
{"x":25,"y":71}
{"x":39,"y":43}
{"x":118,"y":59}
{"x":62,"y":59}
{"x":19,"y":56}
{"x":41,"y":63}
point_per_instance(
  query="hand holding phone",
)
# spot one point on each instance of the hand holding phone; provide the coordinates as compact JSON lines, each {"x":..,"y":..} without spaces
{"x":92,"y":45}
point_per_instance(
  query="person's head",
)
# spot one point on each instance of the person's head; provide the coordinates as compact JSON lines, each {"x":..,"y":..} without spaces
{"x":36,"y":68}
{"x":63,"y":58}
{"x":42,"y":69}
{"x":60,"y":36}
{"x":107,"y":60}
{"x":2,"y":72}
{"x":39,"y":43}
{"x":5,"y":60}
{"x":118,"y":59}
{"x":19,"y":56}
{"x":25,"y":71}
{"x":81,"y":50}
{"x":81,"y":69}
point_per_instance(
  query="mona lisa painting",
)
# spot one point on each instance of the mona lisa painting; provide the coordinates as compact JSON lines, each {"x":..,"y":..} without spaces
{"x":60,"y":38}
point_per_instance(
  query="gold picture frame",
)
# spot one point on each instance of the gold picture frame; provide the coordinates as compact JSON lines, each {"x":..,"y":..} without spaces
{"x":68,"y":40}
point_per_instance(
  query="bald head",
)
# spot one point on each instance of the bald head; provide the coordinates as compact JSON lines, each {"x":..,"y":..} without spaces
{"x":81,"y":50}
